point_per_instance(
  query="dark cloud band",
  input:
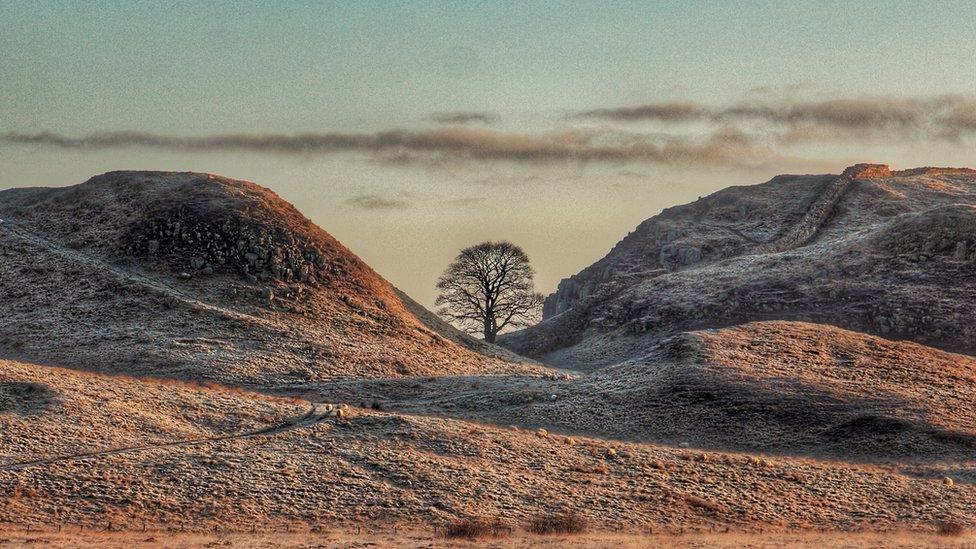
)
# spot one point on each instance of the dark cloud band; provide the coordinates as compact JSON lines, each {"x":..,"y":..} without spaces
{"x":463,"y":118}
{"x":945,"y":116}
{"x":375,"y":202}
{"x":721,"y":148}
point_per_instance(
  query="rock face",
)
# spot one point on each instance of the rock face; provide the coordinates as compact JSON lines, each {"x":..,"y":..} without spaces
{"x":887,"y":253}
{"x":202,"y":277}
{"x":867,"y":171}
{"x":227,"y":245}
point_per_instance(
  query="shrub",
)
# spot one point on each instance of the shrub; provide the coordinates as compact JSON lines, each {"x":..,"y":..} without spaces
{"x":951,"y":528}
{"x":475,"y":528}
{"x":566,"y":522}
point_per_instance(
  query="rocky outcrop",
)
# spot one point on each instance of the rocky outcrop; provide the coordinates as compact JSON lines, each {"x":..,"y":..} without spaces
{"x":568,"y":292}
{"x":928,"y":170}
{"x":203,"y":245}
{"x":944,"y":232}
{"x":867,"y":171}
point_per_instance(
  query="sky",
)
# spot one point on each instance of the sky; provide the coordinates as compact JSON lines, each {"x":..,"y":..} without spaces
{"x":409,"y":130}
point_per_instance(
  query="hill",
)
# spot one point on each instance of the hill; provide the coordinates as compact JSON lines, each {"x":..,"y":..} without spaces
{"x":871,"y":250}
{"x":711,"y":400}
{"x":200,"y":277}
{"x":777,"y":387}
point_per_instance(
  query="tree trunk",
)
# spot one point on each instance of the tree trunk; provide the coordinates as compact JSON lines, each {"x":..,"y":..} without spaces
{"x":489,"y":331}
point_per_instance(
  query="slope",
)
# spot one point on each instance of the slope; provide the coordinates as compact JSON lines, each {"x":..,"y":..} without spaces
{"x":775,"y":386}
{"x":377,"y":467}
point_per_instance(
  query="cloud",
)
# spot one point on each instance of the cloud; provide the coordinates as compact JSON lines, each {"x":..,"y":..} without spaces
{"x":463,"y":117}
{"x":375,"y":202}
{"x":960,"y":119}
{"x":938,"y":117}
{"x":676,"y":111}
{"x":726,"y":147}
{"x":846,"y":113}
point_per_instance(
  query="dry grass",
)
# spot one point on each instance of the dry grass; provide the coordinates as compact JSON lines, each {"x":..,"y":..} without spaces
{"x":565,"y":522}
{"x":775,"y":386}
{"x":391,"y":466}
{"x":407,"y":538}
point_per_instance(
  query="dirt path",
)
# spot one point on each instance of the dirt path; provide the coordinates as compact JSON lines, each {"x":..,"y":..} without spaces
{"x":314,"y":415}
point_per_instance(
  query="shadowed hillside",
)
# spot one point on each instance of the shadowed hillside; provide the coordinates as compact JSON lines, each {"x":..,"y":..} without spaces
{"x":783,"y":387}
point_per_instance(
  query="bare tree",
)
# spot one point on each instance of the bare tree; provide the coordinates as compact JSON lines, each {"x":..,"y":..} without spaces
{"x":488,"y":288}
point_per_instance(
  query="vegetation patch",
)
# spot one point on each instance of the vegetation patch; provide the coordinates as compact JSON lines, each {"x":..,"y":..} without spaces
{"x":566,"y":522}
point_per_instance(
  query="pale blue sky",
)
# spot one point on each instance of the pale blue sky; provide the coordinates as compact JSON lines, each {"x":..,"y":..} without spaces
{"x":201,"y":66}
{"x":195,"y":69}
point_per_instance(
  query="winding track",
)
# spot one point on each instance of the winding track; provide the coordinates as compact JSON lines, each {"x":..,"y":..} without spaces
{"x":316,"y":414}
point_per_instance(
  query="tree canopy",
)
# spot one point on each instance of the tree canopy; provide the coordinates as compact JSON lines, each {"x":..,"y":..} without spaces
{"x":488,"y":288}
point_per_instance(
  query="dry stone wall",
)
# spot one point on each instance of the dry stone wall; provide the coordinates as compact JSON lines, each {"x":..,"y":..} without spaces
{"x":195,"y":245}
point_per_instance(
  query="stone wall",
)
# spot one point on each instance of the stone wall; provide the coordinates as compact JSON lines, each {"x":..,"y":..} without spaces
{"x":196,"y":245}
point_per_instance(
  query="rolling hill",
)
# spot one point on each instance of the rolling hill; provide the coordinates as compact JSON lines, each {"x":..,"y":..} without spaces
{"x":199,"y":277}
{"x":871,"y":250}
